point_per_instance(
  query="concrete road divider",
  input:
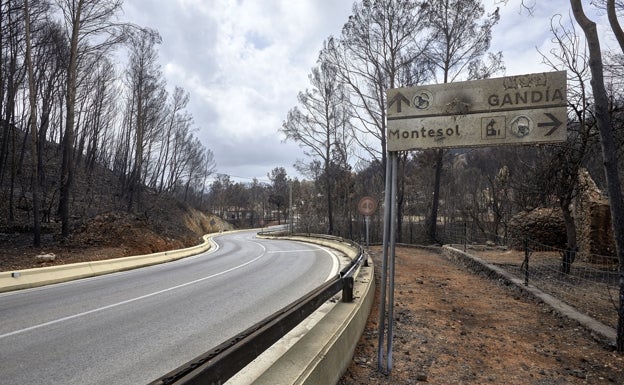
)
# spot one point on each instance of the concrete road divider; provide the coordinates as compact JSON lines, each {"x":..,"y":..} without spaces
{"x":323,"y":354}
{"x":40,"y":276}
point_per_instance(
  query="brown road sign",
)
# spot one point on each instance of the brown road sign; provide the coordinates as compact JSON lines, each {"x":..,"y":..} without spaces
{"x":367,"y":206}
{"x":520,"y":109}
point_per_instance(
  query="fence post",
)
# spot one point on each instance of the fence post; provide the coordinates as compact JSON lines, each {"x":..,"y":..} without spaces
{"x":465,"y":236}
{"x":525,"y":264}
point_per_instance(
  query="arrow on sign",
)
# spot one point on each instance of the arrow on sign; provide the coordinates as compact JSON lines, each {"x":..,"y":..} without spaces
{"x":554,"y":123}
{"x":398,"y":98}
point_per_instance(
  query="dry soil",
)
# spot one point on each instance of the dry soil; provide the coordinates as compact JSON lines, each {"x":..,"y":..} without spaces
{"x":453,"y":326}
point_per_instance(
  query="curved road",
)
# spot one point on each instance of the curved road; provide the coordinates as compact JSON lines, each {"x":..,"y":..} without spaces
{"x":134,"y":326}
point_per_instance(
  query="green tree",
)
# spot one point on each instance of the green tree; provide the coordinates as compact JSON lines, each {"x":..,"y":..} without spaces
{"x":278,"y":195}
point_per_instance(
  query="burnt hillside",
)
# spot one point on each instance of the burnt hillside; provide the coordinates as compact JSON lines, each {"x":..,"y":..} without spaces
{"x":101,"y":225}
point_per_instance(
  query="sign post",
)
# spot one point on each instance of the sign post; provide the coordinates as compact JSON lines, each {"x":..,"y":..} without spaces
{"x":387,"y":263}
{"x":367,"y":207}
{"x":512,"y":110}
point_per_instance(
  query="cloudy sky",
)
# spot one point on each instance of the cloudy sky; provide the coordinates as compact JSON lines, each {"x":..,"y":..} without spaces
{"x":244,"y":61}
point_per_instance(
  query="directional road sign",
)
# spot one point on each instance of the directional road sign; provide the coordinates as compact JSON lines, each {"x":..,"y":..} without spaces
{"x":510,"y":110}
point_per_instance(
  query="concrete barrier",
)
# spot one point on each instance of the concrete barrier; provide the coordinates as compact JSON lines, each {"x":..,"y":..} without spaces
{"x":343,"y":247}
{"x":28,"y":278}
{"x":323,"y":354}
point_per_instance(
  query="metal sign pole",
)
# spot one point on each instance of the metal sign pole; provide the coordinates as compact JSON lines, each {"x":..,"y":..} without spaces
{"x":387,"y":268}
{"x":393,"y":230}
{"x":384,"y":265}
{"x":367,"y":221}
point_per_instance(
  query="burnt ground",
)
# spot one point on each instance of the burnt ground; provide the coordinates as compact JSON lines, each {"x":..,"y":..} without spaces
{"x":456,"y":327}
{"x":112,"y":234}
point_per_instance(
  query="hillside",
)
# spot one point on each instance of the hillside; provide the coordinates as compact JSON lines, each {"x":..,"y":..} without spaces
{"x":163,"y":226}
{"x":101,"y":226}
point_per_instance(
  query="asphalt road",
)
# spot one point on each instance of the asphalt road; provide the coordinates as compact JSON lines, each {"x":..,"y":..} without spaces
{"x":132,"y":327}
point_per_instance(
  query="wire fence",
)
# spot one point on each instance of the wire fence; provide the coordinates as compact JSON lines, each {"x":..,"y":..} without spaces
{"x":588,"y":282}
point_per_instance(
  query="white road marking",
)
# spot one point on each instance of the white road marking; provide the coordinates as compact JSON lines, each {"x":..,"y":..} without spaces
{"x":214,"y":248}
{"x":335,"y":269}
{"x":74,"y":316}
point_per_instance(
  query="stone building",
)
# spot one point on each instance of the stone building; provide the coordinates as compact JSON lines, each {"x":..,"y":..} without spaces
{"x":592,"y":218}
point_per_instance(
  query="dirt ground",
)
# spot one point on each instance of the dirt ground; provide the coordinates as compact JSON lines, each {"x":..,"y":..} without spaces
{"x":17,"y":254}
{"x":109,"y":235}
{"x":456,"y":327}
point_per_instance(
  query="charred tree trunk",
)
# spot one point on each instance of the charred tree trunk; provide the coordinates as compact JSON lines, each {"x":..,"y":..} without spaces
{"x":34,"y":179}
{"x":432,"y":221}
{"x":608,"y":151}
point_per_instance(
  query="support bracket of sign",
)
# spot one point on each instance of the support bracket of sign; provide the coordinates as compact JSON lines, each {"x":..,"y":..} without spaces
{"x":512,"y":110}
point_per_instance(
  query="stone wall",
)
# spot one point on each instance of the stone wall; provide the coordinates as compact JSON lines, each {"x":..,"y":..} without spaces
{"x":592,"y":218}
{"x":542,"y":225}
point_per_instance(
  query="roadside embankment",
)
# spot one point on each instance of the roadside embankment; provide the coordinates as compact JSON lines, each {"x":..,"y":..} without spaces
{"x":28,"y":278}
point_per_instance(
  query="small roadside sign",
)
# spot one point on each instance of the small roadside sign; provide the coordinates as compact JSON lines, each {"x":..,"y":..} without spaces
{"x":519,"y":109}
{"x":367,"y":206}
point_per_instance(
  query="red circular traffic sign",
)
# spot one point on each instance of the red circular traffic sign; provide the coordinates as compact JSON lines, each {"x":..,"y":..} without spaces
{"x":367,"y":206}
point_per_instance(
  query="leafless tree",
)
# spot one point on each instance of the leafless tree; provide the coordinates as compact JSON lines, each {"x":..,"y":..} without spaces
{"x":381,"y":47}
{"x":607,"y":141}
{"x":320,"y":124}
{"x":145,"y":106}
{"x":461,"y":37}
{"x":11,"y":78}
{"x":175,"y":120}
{"x":85,"y":22}
{"x":32,"y":92}
{"x":208,"y":167}
{"x":101,"y":113}
{"x":564,"y":161}
{"x":50,"y":53}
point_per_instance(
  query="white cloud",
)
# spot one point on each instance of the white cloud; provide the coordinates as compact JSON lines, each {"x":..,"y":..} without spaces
{"x":520,"y":34}
{"x":244,"y":61}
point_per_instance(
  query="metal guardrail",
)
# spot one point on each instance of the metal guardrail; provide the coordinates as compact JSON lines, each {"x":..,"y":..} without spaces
{"x":222,"y":362}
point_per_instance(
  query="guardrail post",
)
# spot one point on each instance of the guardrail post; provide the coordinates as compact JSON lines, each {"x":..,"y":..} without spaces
{"x":347,"y":289}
